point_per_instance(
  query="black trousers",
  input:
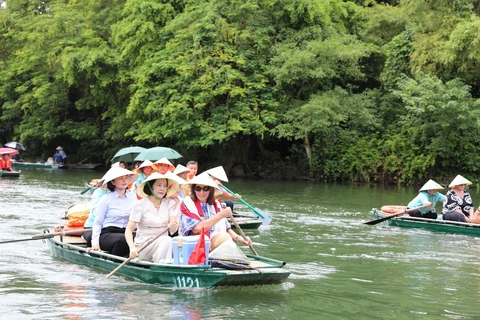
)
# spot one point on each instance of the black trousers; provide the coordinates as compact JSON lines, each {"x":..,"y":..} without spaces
{"x":418,"y":214}
{"x":87,"y":235}
{"x":112,"y":239}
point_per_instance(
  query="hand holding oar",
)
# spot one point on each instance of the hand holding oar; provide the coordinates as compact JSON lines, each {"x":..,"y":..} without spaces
{"x":373,"y":222}
{"x":266,"y":219}
{"x":46,"y":236}
{"x":146,"y":244}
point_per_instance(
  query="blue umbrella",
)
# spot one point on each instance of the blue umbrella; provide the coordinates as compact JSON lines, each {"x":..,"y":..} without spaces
{"x":157,"y":153}
{"x":127,"y":154}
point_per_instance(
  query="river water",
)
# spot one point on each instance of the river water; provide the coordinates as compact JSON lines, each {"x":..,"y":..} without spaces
{"x":341,"y":268}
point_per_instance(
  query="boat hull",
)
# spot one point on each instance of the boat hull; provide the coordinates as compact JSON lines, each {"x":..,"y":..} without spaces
{"x":32,"y":165}
{"x":10,"y":174}
{"x":268,"y":271}
{"x":428,"y":224}
{"x":247,"y":223}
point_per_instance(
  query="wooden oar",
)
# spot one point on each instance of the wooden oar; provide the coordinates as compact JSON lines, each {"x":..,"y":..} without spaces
{"x":143,"y":246}
{"x":46,"y":236}
{"x":266,"y":219}
{"x":372,"y":222}
{"x":242,"y":234}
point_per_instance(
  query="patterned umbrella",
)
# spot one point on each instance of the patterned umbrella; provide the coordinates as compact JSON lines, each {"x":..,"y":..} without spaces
{"x":15,"y":145}
{"x":10,"y":151}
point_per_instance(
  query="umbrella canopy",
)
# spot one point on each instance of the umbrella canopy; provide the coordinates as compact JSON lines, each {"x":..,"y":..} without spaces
{"x":10,"y":151}
{"x":127,"y":154}
{"x":156,"y":153}
{"x":15,"y":145}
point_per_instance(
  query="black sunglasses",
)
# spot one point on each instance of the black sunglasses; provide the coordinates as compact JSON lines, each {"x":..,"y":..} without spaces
{"x":198,"y":188}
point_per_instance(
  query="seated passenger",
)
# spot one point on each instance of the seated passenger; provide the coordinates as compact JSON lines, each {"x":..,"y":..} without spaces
{"x":458,"y":204}
{"x":6,"y":162}
{"x":152,"y":215}
{"x":428,"y":196}
{"x":163,"y":166}
{"x":199,"y":210}
{"x":113,"y":212}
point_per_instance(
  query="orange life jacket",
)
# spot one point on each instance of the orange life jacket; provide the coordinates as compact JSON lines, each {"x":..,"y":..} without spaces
{"x":6,"y":163}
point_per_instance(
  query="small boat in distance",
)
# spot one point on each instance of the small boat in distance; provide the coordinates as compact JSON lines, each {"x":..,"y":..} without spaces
{"x":428,"y":224}
{"x":35,"y":165}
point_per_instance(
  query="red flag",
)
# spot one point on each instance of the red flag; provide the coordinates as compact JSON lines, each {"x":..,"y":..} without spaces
{"x":199,"y":255}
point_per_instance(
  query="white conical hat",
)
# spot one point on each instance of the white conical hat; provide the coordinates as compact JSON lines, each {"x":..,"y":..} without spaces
{"x":458,"y":181}
{"x":116,"y":172}
{"x":219,"y":173}
{"x":203,"y":179}
{"x":146,"y":163}
{"x":174,"y":183}
{"x":164,"y":161}
{"x":116,"y":164}
{"x":431,"y":185}
{"x":180,"y":169}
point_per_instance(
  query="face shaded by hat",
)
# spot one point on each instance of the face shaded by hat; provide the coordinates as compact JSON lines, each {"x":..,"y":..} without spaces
{"x":146,"y":187}
{"x":459,"y":180}
{"x":163,"y":165}
{"x":114,"y":173}
{"x":200,"y":184}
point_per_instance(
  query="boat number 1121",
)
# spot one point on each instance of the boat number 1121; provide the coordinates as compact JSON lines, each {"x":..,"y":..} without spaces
{"x":182,"y":281}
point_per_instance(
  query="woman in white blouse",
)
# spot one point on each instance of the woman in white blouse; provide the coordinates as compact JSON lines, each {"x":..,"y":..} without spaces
{"x":155,"y":213}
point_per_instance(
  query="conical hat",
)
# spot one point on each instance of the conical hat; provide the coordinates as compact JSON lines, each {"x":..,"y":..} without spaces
{"x":431,"y":185}
{"x":174,"y":183}
{"x":203,"y":179}
{"x":219,"y":173}
{"x":164,"y":161}
{"x":458,"y":181}
{"x":180,"y":169}
{"x":116,"y":172}
{"x":116,"y":164}
{"x":146,"y":163}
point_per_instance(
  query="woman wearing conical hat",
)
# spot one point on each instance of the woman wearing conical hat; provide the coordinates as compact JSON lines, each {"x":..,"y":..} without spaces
{"x":458,"y":204}
{"x":428,"y":196}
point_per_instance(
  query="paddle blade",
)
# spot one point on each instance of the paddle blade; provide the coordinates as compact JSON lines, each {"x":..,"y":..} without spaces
{"x":266,"y":220}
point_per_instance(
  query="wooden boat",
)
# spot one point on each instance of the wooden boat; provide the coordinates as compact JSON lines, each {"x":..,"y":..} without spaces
{"x":428,"y":224}
{"x":35,"y":165}
{"x":10,"y":174}
{"x":246,"y":222}
{"x":265,"y":270}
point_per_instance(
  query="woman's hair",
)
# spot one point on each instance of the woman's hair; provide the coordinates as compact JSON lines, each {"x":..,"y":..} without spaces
{"x":210,"y":198}
{"x":110,"y":186}
{"x":149,"y":187}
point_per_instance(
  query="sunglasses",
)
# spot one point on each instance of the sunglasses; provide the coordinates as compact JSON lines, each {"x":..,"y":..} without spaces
{"x":198,"y":188}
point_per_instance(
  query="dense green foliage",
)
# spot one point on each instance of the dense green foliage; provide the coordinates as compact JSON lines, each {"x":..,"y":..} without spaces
{"x":383,"y":91}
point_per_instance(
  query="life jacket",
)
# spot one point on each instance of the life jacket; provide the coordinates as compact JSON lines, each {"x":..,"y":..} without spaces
{"x":6,"y":164}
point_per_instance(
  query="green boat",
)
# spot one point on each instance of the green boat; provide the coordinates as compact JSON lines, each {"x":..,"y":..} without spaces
{"x":10,"y":174}
{"x":35,"y":165}
{"x":265,"y":270}
{"x":247,"y":223}
{"x":428,"y":224}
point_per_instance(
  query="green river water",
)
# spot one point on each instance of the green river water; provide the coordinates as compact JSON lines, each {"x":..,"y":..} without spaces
{"x":341,"y":268}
